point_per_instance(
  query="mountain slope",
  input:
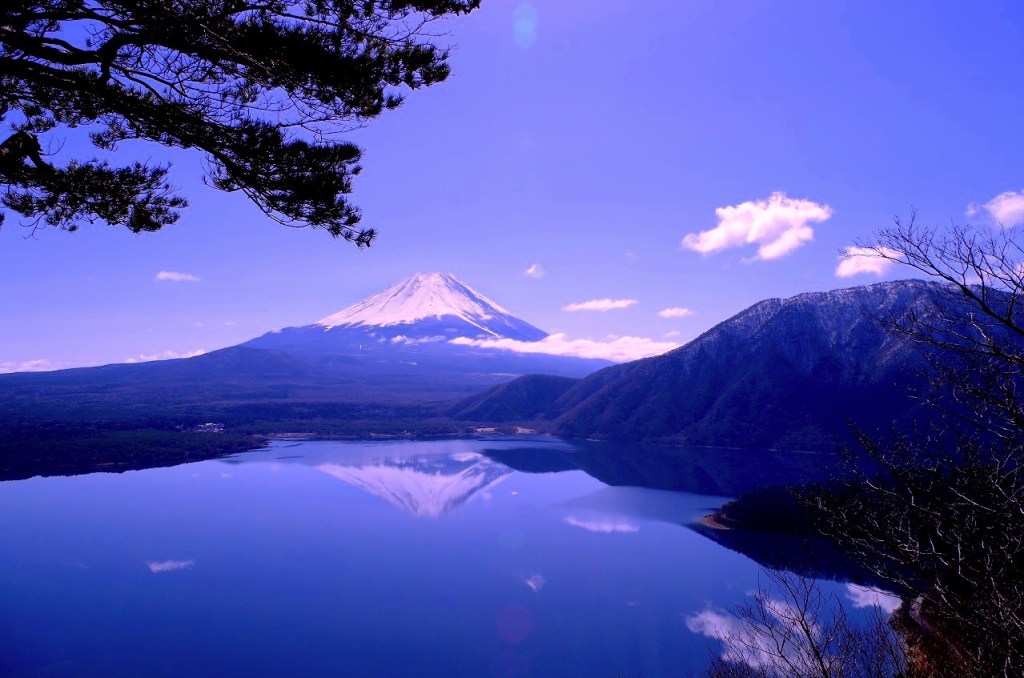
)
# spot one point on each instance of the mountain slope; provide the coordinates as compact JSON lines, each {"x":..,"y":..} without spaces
{"x":529,"y":398}
{"x":783,"y":373}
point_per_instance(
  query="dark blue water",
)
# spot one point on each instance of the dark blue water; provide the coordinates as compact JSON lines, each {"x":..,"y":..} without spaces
{"x":358,"y":559}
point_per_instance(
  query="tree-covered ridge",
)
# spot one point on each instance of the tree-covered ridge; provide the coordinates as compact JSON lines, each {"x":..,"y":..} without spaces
{"x":262,"y":87}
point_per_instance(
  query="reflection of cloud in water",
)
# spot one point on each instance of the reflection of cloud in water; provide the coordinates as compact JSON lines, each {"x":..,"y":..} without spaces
{"x":862,"y":596}
{"x":602,"y":525}
{"x":535,"y":583}
{"x":620,"y":510}
{"x":422,"y":486}
{"x":158,"y":566}
{"x":747,"y":644}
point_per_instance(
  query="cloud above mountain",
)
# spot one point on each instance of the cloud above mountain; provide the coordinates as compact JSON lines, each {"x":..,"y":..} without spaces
{"x":777,"y":225}
{"x":37,"y":365}
{"x":675,"y":312}
{"x":175,"y":276}
{"x":166,"y":355}
{"x":600,"y":305}
{"x":620,"y":349}
{"x":1006,"y":209}
{"x":865,"y":260}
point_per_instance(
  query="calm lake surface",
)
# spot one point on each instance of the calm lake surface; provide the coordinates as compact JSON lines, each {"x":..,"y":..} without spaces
{"x":365,"y":559}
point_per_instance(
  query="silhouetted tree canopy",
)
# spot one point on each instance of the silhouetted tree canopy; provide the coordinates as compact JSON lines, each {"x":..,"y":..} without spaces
{"x":262,"y":87}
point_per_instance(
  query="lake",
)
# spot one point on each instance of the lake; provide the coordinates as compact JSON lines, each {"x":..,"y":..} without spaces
{"x":395,"y":558}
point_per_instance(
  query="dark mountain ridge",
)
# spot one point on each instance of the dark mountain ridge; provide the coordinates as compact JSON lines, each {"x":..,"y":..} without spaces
{"x":785,"y":373}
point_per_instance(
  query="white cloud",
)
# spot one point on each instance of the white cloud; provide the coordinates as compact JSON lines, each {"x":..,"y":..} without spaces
{"x":39,"y":365}
{"x":413,"y":341}
{"x":672,"y":333}
{"x":600,"y":305}
{"x":1006,"y":209}
{"x":857,"y":260}
{"x":620,"y":350}
{"x":157,"y":567}
{"x":535,"y":271}
{"x":675,"y":312}
{"x":174,"y":276}
{"x":862,"y":596}
{"x":166,"y":355}
{"x":778,"y":225}
{"x":602,"y":526}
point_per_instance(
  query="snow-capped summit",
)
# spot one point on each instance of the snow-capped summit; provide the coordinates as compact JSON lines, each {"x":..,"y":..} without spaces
{"x":433,"y":304}
{"x":411,"y":332}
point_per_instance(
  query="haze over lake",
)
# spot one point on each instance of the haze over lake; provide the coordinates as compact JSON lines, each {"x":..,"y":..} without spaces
{"x":360,"y":559}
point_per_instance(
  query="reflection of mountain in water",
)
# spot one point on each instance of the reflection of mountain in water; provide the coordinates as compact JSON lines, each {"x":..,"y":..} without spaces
{"x":711,"y":472}
{"x":423,"y":486}
{"x":700,"y":470}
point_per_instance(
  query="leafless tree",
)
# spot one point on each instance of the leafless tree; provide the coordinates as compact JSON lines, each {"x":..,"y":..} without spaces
{"x":792,"y":627}
{"x":946,"y":529}
{"x":944,"y":519}
{"x":974,"y":330}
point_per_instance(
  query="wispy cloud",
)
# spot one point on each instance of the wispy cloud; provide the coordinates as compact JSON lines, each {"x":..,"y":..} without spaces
{"x":777,"y":225}
{"x":864,"y":260}
{"x":175,"y":276}
{"x":601,"y":305}
{"x":675,"y":312}
{"x":1006,"y":209}
{"x":38,"y":365}
{"x":619,"y":350}
{"x":412,"y":341}
{"x":166,"y":355}
{"x":534,"y":271}
{"x":156,"y":567}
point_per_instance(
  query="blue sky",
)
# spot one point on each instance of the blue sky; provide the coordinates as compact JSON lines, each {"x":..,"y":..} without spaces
{"x":603,"y":142}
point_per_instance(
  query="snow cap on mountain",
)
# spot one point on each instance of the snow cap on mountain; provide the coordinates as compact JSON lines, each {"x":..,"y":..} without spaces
{"x":438,"y":296}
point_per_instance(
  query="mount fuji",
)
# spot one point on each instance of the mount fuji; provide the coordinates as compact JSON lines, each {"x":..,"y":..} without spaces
{"x":394,"y":348}
{"x":428,"y":308}
{"x":407,"y":330}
